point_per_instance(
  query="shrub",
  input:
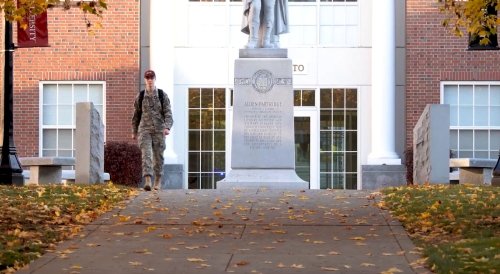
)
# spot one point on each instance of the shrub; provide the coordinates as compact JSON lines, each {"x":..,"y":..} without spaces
{"x":409,"y":165}
{"x":122,"y":161}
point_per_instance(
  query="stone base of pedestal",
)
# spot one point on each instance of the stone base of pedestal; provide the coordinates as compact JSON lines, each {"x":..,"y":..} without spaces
{"x":172,"y":176}
{"x":380,"y":176}
{"x":262,"y":178}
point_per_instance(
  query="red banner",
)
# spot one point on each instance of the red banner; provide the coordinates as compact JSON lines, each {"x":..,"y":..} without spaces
{"x":36,"y":34}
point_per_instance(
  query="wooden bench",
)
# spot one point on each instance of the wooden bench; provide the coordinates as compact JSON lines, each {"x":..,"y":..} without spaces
{"x":474,"y":170}
{"x":46,"y":170}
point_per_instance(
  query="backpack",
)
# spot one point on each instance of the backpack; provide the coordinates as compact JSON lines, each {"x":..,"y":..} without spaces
{"x":160,"y":96}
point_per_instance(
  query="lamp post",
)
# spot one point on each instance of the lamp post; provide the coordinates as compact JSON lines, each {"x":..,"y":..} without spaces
{"x":11,"y":171}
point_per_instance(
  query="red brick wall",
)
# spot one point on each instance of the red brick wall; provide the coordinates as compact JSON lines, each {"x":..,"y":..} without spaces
{"x":434,"y":55}
{"x":111,"y":55}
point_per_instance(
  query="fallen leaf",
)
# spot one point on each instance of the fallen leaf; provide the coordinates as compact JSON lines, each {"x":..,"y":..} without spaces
{"x":167,"y":236}
{"x":124,"y":218}
{"x":242,"y":263}
{"x":195,"y":260}
{"x":329,"y":268}
{"x":392,"y":270}
{"x":281,"y":265}
{"x":135,"y":263}
{"x":358,"y":238}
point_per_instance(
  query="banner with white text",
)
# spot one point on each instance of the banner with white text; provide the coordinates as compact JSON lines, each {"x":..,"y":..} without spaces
{"x":36,"y":33}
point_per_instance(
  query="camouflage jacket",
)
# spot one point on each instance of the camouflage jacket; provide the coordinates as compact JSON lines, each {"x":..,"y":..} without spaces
{"x":151,"y":119}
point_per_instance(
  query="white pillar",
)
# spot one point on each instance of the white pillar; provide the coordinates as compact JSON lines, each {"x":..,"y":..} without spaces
{"x":383,"y":84}
{"x":161,"y":44}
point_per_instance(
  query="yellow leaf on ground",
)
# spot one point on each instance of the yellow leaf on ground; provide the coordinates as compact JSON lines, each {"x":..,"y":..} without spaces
{"x":358,"y":238}
{"x":124,"y":218}
{"x":135,"y":263}
{"x":392,"y":270}
{"x":195,"y":260}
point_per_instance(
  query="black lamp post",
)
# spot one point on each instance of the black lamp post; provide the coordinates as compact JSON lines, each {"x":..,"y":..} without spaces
{"x":11,"y":171}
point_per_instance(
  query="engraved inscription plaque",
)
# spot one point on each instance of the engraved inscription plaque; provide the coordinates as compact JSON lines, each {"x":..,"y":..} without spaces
{"x":262,"y":135}
{"x":263,"y":115}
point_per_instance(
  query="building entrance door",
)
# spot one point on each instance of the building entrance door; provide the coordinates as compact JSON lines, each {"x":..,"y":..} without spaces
{"x":306,"y":147}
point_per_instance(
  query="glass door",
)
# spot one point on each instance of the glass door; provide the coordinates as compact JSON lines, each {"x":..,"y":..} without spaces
{"x":306,"y":147}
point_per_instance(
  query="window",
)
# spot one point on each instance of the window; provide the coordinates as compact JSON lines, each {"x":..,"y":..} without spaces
{"x":207,"y":137}
{"x":474,"y":118}
{"x":303,"y":98}
{"x":58,"y":113}
{"x":338,"y":138}
{"x":474,"y":40}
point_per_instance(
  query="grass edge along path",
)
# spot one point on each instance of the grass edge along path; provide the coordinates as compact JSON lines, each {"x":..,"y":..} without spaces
{"x":456,"y":226}
{"x":33,"y":219}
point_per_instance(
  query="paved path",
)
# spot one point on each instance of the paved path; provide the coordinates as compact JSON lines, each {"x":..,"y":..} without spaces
{"x":239,"y":231}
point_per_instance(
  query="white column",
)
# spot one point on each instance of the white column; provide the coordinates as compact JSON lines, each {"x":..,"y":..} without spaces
{"x":161,"y":44}
{"x":383,"y":84}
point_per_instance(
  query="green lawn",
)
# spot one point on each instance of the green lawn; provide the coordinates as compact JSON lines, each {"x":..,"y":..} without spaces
{"x":457,"y":226}
{"x":34,"y":219}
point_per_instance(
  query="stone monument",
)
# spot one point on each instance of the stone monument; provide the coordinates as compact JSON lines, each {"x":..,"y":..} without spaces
{"x":263,"y":145}
{"x":89,"y":143}
{"x":431,"y":146}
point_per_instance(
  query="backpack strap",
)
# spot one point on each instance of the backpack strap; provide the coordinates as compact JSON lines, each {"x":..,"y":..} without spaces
{"x":160,"y":96}
{"x":141,"y":98}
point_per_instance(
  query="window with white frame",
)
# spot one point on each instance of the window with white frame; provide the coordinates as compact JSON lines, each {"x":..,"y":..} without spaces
{"x":474,"y":118}
{"x":57,"y":113}
{"x":207,"y":137}
{"x":325,"y":23}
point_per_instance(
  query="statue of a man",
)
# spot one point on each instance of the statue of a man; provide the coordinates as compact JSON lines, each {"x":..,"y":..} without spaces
{"x":264,"y":21}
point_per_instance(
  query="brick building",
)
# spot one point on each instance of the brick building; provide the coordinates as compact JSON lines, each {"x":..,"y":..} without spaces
{"x":440,"y":68}
{"x":362,"y":76}
{"x":78,"y":66}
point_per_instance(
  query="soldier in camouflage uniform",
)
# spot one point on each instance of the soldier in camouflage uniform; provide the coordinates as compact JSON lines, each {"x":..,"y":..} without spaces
{"x":151,"y":122}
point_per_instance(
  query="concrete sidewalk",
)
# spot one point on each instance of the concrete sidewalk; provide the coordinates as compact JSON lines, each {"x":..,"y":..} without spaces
{"x":239,"y":231}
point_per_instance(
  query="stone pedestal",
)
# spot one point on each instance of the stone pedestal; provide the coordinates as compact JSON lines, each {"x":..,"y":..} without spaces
{"x":262,"y":150}
{"x":431,"y":146}
{"x":172,"y":176}
{"x":89,"y":144}
{"x":381,"y":176}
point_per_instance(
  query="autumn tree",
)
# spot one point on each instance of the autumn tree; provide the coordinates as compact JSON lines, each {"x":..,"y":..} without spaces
{"x":479,"y":18}
{"x":16,"y":10}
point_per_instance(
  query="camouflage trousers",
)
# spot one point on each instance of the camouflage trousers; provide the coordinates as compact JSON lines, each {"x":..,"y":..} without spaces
{"x":152,"y":146}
